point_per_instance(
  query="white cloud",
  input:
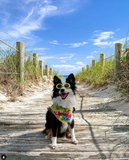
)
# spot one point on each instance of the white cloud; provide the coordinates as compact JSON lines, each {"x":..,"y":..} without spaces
{"x":47,"y":57}
{"x":47,"y":11}
{"x":96,"y":33}
{"x":89,"y":57}
{"x":75,"y":45}
{"x":80,"y":63}
{"x":28,"y":1}
{"x":64,"y":66}
{"x":67,"y":57}
{"x":28,"y":16}
{"x":122,"y":40}
{"x":43,"y":1}
{"x":94,"y":52}
{"x":34,"y":13}
{"x":22,"y":30}
{"x":62,"y":61}
{"x":54,"y":42}
{"x":102,"y":37}
{"x":67,"y":68}
{"x":32,"y":21}
{"x":38,"y":49}
{"x":41,"y":54}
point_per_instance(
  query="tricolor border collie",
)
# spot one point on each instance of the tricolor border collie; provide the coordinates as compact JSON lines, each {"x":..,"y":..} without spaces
{"x":59,"y":117}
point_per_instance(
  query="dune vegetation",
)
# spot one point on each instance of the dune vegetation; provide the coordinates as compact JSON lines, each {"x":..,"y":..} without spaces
{"x":99,"y":76}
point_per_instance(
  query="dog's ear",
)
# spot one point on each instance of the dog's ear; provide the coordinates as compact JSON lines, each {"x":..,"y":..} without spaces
{"x":56,"y":80}
{"x":70,"y":79}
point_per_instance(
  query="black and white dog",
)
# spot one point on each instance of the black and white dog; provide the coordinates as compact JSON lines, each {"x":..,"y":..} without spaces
{"x":59,"y":117}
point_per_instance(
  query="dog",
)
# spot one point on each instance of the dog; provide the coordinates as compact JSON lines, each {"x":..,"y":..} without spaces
{"x":59,"y":117}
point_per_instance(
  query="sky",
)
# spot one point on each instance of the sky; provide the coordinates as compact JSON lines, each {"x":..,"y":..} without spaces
{"x":66,"y":34}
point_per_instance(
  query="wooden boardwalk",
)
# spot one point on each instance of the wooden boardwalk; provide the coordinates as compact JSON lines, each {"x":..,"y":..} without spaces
{"x":21,"y":135}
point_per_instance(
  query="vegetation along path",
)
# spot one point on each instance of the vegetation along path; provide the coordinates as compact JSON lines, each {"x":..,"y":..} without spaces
{"x":100,"y":134}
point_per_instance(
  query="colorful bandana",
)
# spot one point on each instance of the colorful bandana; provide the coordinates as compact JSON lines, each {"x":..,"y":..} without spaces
{"x":62,"y":114}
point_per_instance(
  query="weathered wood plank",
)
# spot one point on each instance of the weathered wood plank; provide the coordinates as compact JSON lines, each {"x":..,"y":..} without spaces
{"x":70,"y":155}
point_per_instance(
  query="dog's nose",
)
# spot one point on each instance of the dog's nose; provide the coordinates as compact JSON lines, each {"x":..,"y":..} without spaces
{"x":62,"y":90}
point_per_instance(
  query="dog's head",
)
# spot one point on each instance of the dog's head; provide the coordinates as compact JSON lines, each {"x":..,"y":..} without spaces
{"x":64,"y":90}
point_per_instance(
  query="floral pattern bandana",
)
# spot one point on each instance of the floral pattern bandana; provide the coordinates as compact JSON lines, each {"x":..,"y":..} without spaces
{"x":62,"y":114}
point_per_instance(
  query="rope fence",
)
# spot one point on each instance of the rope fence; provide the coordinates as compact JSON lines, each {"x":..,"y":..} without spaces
{"x":117,"y":59}
{"x":124,"y":53}
{"x":109,"y":57}
{"x":20,"y":54}
{"x":9,"y":46}
{"x":8,"y":73}
{"x":29,"y":56}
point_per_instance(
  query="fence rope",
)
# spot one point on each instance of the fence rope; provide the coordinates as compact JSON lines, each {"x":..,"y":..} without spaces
{"x":8,"y":73}
{"x":124,"y":52}
{"x":110,"y":56}
{"x":15,"y":49}
{"x":29,"y":56}
{"x":9,"y":45}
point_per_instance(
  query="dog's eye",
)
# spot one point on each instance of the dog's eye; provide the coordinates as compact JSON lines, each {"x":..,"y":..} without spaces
{"x":67,"y":85}
{"x":59,"y":86}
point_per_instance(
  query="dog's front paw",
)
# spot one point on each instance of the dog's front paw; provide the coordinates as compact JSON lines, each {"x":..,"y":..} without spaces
{"x":54,"y":142}
{"x":54,"y":146}
{"x":74,"y":141}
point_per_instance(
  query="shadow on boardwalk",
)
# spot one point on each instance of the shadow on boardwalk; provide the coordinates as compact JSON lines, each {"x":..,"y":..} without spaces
{"x":103,"y":156}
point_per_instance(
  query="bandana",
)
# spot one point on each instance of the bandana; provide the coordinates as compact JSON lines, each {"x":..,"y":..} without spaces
{"x":62,"y":114}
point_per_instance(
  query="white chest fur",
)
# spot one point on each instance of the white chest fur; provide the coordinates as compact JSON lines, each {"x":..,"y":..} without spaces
{"x":69,"y":102}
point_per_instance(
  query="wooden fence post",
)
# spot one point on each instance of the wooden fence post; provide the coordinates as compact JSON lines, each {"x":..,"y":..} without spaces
{"x":117,"y":63}
{"x":46,"y":70}
{"x":102,"y":59}
{"x":35,"y":60}
{"x":20,"y":63}
{"x":87,"y":67}
{"x":82,"y":69}
{"x":50,"y":71}
{"x":41,"y":68}
{"x":93,"y":63}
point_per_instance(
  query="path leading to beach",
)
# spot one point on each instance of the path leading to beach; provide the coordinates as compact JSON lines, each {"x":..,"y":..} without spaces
{"x":99,"y":128}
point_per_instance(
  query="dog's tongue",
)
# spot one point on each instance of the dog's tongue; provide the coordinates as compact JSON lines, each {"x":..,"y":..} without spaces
{"x":63,"y":95}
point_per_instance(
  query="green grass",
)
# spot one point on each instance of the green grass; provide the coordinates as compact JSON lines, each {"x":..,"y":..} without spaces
{"x":123,"y":81}
{"x":10,"y":65}
{"x":9,"y":82}
{"x":97,"y":75}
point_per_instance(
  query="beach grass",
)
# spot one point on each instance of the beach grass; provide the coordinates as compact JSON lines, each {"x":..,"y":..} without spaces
{"x":97,"y":75}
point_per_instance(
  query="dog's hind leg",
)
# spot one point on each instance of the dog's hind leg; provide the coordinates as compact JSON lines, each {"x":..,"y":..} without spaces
{"x":71,"y":129}
{"x":48,"y":125}
{"x":48,"y":133}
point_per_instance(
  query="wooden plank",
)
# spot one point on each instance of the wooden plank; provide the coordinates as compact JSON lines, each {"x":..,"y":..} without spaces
{"x":24,"y":139}
{"x":62,"y":155}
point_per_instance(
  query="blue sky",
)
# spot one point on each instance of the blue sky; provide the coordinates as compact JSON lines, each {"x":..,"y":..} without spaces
{"x":66,"y":34}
